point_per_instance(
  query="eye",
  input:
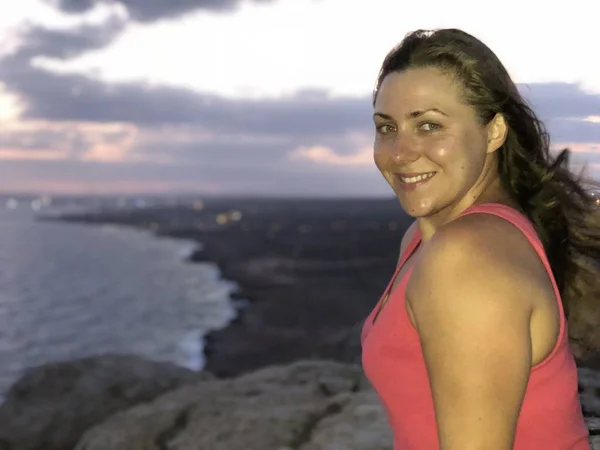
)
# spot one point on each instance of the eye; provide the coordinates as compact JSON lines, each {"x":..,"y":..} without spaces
{"x":385,"y":129}
{"x":429,"y":126}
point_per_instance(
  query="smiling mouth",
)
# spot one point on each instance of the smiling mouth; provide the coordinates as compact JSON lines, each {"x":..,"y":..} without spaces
{"x":413,"y":179}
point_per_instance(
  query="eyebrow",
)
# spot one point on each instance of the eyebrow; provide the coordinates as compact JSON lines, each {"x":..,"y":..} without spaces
{"x":411,"y":115}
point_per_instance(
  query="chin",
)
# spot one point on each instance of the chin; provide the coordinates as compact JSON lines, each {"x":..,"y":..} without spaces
{"x":416,"y":210}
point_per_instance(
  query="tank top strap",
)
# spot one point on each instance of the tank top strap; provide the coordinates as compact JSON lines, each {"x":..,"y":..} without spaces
{"x":520,"y":221}
{"x":410,"y":248}
{"x":517,"y":219}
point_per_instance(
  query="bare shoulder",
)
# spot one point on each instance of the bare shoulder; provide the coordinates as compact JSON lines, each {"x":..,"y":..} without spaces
{"x":469,"y":295}
{"x":475,"y":269}
{"x":491,"y":250}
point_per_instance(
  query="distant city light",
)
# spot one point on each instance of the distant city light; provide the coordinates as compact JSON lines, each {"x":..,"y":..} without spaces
{"x":12,"y":203}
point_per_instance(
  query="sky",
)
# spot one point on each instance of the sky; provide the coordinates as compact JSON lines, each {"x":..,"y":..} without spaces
{"x":252,"y":97}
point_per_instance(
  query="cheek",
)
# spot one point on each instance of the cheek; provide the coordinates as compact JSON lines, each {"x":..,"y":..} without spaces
{"x":443,"y":151}
{"x":381,"y":154}
{"x":456,"y":156}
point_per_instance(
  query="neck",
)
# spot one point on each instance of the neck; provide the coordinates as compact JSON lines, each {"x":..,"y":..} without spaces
{"x":488,"y":192}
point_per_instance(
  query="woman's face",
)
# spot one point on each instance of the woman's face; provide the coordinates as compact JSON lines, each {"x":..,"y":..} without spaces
{"x":429,"y":145}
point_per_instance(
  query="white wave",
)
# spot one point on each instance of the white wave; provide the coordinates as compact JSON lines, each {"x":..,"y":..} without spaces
{"x":191,"y":351}
{"x":187,"y":249}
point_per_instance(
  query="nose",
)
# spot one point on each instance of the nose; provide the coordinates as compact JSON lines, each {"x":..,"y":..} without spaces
{"x":403,"y":150}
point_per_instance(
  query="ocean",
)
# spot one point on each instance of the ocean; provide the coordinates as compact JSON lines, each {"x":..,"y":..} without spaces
{"x":71,"y":290}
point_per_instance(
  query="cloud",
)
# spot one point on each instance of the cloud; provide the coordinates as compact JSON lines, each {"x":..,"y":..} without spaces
{"x":54,"y":96}
{"x":51,"y":176}
{"x":76,"y":132}
{"x":310,"y":115}
{"x":58,"y":43}
{"x":573,"y":130}
{"x":68,"y":140}
{"x":266,"y":157}
{"x":48,"y":95}
{"x":152,"y":10}
{"x":307,"y":115}
{"x":325,"y":155}
{"x":561,"y":100}
{"x":582,"y":153}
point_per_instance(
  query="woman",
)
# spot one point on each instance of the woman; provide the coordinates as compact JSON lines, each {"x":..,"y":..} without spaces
{"x":468,"y":347}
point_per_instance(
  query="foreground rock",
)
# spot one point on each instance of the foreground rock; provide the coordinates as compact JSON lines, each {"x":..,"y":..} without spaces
{"x":127,"y":403}
{"x":51,"y":406}
{"x":308,"y":405}
{"x":589,"y":393}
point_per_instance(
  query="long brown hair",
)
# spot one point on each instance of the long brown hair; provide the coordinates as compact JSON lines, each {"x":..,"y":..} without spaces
{"x":563,"y":212}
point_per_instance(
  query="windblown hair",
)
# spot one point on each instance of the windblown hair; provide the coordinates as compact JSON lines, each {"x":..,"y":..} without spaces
{"x":563,"y":212}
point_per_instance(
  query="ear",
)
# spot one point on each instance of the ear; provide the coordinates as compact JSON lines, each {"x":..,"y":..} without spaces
{"x":497,"y":130}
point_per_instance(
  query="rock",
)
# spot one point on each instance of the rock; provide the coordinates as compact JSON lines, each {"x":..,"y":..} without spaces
{"x":589,"y":394}
{"x":51,"y":406}
{"x":360,"y":425}
{"x":198,"y":255}
{"x":308,"y":405}
{"x":127,"y":403}
{"x":593,"y":424}
{"x":348,"y":347}
{"x":589,"y":391}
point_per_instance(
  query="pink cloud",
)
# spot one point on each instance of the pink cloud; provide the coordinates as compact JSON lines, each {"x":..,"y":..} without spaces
{"x":54,"y":187}
{"x":325,"y":155}
{"x":18,"y":154}
{"x":87,"y":141}
{"x":581,"y":147}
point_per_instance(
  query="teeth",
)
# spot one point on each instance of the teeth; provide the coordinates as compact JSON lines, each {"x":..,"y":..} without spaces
{"x":417,"y":178}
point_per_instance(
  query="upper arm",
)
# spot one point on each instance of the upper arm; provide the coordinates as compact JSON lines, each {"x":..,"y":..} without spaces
{"x":467,"y":299}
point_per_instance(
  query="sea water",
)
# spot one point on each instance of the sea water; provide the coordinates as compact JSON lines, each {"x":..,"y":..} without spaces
{"x":72,"y":290}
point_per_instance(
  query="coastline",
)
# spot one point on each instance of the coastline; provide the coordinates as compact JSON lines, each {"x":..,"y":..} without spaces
{"x":192,"y":343}
{"x":306,"y":272}
{"x":309,"y":285}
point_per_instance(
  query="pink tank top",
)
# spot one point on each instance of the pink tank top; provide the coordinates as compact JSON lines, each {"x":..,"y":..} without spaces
{"x":550,"y":418}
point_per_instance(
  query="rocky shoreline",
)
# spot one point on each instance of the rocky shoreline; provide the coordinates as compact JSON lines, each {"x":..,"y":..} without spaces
{"x":311,"y":271}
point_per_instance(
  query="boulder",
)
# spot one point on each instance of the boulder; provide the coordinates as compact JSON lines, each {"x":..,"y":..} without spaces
{"x":360,"y":425}
{"x":307,"y":405}
{"x":51,"y":406}
{"x":589,"y":394}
